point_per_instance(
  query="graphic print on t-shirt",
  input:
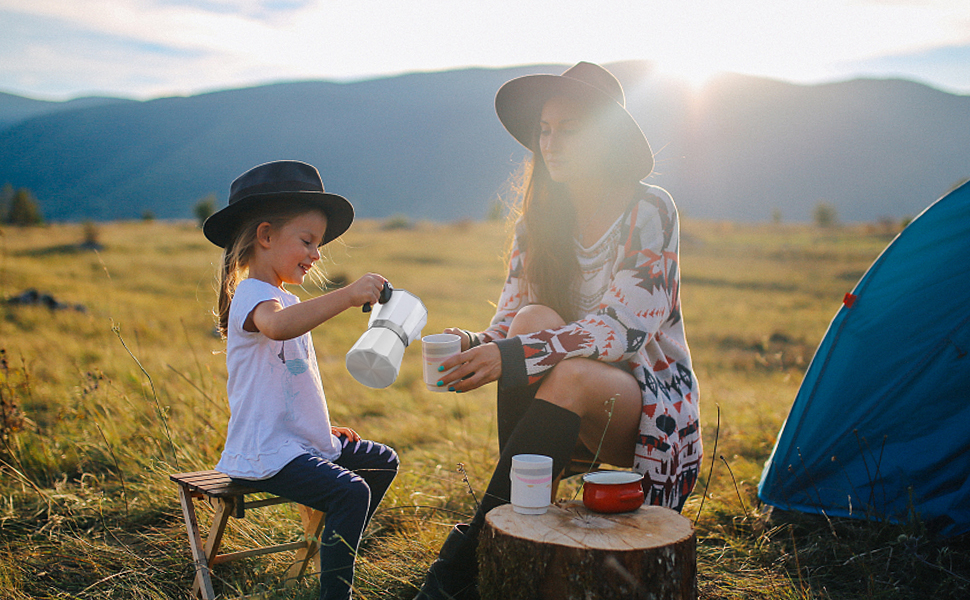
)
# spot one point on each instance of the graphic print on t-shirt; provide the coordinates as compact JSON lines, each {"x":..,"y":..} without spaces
{"x":293,"y":355}
{"x":295,"y":365}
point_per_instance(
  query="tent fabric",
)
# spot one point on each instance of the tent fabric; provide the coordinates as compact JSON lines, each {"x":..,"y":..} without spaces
{"x":880,"y":427}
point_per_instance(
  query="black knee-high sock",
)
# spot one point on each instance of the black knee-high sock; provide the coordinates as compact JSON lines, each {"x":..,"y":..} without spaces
{"x":511,"y":404}
{"x":545,"y":428}
{"x":542,"y":428}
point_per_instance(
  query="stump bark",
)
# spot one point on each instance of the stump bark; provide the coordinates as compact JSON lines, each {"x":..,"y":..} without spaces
{"x":570,"y":553}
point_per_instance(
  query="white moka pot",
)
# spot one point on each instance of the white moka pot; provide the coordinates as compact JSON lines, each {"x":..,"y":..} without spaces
{"x":375,"y":358}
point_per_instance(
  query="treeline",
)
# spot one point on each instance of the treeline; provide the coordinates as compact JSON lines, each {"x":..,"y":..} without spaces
{"x":19,"y":207}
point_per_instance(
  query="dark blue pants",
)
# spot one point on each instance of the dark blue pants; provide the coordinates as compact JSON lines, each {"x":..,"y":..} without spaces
{"x":348,"y":489}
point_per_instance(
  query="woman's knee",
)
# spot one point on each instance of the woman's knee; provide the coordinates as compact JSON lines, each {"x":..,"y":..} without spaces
{"x":571,"y":373}
{"x":582,"y":384}
{"x":565,"y":384}
{"x":534,"y":317}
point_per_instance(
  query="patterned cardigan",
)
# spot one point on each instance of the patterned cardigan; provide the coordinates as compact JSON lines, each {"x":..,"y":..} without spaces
{"x":638,"y":322}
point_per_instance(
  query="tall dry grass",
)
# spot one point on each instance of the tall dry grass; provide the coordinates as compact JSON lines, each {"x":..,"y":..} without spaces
{"x":100,"y":405}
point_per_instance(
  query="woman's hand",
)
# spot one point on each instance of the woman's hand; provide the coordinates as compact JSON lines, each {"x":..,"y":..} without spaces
{"x":476,"y":367}
{"x":345,"y":432}
{"x":466,"y":342}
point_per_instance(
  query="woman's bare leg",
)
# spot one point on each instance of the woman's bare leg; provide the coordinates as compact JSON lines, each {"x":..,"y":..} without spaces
{"x":534,"y":317}
{"x":606,"y":398}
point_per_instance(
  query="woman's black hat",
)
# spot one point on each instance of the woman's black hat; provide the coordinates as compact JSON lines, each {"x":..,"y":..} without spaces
{"x":519,"y":105}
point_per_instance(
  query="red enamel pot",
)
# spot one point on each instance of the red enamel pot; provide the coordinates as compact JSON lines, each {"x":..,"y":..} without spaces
{"x":612,"y":491}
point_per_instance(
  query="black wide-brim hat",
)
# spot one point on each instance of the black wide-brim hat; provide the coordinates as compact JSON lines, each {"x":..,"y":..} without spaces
{"x":273,"y":185}
{"x":519,"y":103}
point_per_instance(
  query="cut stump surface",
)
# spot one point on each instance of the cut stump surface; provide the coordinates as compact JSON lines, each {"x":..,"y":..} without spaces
{"x":571,"y":553}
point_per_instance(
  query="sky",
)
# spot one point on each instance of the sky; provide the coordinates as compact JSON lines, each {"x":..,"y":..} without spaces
{"x":143,"y":49}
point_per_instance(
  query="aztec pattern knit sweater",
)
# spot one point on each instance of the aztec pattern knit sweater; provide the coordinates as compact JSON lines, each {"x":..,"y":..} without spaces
{"x":637,"y":322}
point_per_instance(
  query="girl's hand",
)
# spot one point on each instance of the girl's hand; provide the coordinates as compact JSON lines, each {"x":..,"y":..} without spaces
{"x":466,"y":342}
{"x":345,"y":432}
{"x":366,"y":289}
{"x":476,"y":367}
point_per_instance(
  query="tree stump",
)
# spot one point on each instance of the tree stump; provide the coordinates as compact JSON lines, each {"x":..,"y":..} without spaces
{"x":571,"y":553}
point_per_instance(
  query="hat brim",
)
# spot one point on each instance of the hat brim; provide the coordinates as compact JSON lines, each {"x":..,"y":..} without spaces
{"x":519,"y":103}
{"x":220,"y":227}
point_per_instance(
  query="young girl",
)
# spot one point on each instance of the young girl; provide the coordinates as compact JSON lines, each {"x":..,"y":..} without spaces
{"x":280,"y":439}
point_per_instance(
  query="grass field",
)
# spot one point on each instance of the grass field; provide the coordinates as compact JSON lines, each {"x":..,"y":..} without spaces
{"x":99,"y":405}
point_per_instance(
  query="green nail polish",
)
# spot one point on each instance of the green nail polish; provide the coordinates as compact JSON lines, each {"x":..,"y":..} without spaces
{"x":441,"y":383}
{"x":451,"y":389}
{"x":440,"y":368}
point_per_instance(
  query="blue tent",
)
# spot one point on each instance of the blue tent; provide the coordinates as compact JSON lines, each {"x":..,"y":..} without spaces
{"x":880,"y":428}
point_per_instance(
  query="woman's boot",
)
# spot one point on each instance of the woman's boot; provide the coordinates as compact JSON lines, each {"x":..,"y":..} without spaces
{"x":455,"y":572}
{"x":545,"y":428}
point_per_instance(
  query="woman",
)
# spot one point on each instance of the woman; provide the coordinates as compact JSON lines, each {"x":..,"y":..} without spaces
{"x":588,"y":344}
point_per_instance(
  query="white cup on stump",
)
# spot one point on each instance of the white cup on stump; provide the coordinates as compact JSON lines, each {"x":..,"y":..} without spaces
{"x":531,"y":483}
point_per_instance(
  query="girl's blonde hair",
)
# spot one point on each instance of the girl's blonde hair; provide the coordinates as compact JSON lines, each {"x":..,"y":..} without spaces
{"x":239,"y":252}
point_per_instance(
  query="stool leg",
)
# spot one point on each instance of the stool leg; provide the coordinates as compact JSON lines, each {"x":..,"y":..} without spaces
{"x":312,"y":526}
{"x":203,"y":580}
{"x":223,"y":510}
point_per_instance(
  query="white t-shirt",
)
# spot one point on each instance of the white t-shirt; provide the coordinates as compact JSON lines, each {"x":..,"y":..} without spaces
{"x":277,"y":407}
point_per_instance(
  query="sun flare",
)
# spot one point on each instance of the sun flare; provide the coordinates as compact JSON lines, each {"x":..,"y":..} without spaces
{"x":695,"y":74}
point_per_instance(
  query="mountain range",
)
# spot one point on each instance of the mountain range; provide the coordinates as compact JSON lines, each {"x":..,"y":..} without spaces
{"x":428,"y":146}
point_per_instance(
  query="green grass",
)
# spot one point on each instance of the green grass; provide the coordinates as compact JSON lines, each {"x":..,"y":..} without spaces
{"x":99,"y":406}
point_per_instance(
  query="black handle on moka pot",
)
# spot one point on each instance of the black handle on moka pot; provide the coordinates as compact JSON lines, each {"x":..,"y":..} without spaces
{"x":384,"y":297}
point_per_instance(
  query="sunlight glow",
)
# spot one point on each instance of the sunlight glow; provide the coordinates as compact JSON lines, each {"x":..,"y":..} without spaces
{"x":695,"y":70}
{"x":151,"y":47}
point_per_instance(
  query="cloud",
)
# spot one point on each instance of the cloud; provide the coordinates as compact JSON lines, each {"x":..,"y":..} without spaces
{"x":257,"y":9}
{"x":47,"y":53}
{"x":148,"y":48}
{"x":135,"y":47}
{"x":947,"y":67}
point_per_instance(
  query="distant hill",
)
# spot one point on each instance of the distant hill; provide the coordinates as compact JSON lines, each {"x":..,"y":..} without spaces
{"x":429,"y":146}
{"x":17,"y":108}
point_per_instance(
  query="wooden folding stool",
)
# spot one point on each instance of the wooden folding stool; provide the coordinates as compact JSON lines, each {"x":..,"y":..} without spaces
{"x":228,"y":498}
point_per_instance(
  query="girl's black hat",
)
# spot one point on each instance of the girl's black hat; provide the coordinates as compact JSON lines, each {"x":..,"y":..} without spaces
{"x":275,"y":184}
{"x":519,"y":103}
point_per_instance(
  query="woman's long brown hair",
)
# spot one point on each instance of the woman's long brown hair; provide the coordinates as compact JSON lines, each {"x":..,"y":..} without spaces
{"x":549,"y":220}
